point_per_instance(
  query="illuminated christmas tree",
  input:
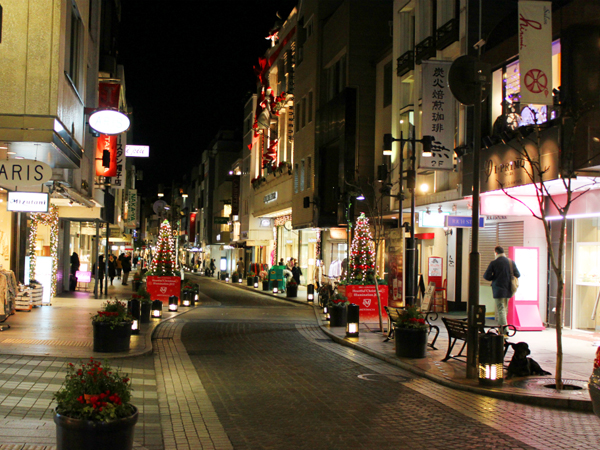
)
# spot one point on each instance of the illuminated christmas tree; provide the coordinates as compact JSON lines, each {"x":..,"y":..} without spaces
{"x":362,"y":251}
{"x":163,"y":263}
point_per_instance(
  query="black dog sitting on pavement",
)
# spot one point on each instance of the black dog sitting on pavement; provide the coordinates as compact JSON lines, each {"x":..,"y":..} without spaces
{"x":522,"y":366}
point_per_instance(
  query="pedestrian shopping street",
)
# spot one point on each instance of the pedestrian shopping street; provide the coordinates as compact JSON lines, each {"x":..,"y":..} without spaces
{"x":245,"y":370}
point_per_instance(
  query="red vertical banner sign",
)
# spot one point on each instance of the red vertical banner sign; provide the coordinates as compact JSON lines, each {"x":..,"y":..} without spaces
{"x":192,"y":232}
{"x":106,"y":152}
{"x":108,"y":95}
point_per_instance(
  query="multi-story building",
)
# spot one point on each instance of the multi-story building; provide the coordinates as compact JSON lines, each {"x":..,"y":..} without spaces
{"x":50,"y":69}
{"x":338,"y":45}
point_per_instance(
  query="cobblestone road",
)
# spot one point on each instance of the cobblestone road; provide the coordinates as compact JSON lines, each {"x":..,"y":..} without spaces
{"x":276,"y":382}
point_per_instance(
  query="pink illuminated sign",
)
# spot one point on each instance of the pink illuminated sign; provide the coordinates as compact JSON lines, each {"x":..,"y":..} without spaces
{"x":506,"y":206}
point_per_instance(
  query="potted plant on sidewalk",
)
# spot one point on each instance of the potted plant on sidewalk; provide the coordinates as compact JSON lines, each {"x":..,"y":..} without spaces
{"x":250,"y":279}
{"x":137,"y":281}
{"x":93,"y":409}
{"x":145,"y":304}
{"x":338,"y":310}
{"x":264,"y":278}
{"x":112,"y":327}
{"x":291,"y":288}
{"x":411,"y":332}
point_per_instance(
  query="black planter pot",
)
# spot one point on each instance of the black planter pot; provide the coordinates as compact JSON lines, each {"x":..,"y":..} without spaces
{"x":250,"y":281}
{"x":145,"y":312}
{"x":339,"y":316}
{"x":111,"y":341}
{"x":79,"y":434}
{"x":291,"y":291}
{"x":265,"y":285}
{"x":135,"y":285}
{"x":411,"y":342}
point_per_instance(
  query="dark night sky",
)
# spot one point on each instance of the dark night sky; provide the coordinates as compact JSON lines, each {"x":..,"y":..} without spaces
{"x":188,"y":70}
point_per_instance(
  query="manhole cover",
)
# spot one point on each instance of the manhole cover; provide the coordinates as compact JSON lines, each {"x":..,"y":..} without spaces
{"x":380,"y":376}
{"x":575,"y":387}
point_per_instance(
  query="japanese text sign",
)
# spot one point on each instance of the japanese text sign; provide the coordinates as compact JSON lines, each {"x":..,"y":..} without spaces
{"x":438,"y":116}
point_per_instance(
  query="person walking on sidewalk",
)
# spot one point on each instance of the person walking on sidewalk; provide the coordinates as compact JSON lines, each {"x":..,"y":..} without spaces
{"x":100,"y":269}
{"x":112,"y":268}
{"x":240,"y":268}
{"x":296,"y":272}
{"x":73,"y":274}
{"x":212,"y":267}
{"x":119,"y":266}
{"x":500,"y":272}
{"x":126,"y":263}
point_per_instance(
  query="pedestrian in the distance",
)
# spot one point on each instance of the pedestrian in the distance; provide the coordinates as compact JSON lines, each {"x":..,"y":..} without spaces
{"x":126,"y":263}
{"x":240,"y":268}
{"x":500,"y":272}
{"x":112,"y":268}
{"x":119,"y":266}
{"x":212,"y":267}
{"x":296,"y":272}
{"x":100,"y":269}
{"x":74,"y":268}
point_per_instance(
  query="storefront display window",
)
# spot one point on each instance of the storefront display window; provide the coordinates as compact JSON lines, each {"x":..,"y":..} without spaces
{"x":308,"y":255}
{"x":587,"y":274}
{"x":5,"y":231}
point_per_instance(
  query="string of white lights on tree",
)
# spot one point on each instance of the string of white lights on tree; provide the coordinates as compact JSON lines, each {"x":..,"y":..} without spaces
{"x":50,"y":219}
{"x":362,"y":250}
{"x":164,"y":263}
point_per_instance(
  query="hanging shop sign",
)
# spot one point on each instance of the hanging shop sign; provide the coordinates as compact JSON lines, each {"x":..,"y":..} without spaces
{"x":118,"y":180}
{"x":462,"y":222}
{"x":221,"y":220}
{"x":137,"y":151}
{"x":131,"y":208}
{"x":535,"y":52}
{"x":28,"y":202}
{"x":438,"y":116}
{"x":270,"y":197}
{"x":107,"y":119}
{"x":106,"y":156}
{"x":23,"y":172}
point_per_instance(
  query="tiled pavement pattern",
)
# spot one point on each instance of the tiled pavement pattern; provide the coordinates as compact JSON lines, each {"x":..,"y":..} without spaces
{"x":27,"y":384}
{"x":273,"y":390}
{"x":188,"y":419}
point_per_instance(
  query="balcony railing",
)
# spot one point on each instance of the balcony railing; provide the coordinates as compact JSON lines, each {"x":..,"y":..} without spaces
{"x":425,"y":49}
{"x":406,"y":63}
{"x":446,"y":34}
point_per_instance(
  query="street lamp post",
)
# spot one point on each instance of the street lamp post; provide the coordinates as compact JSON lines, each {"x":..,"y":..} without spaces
{"x":411,"y":178}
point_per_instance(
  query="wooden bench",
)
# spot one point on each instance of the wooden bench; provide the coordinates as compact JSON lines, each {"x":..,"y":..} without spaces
{"x":394,"y":315}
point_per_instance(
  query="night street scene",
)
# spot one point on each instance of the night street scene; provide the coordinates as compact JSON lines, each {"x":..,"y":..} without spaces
{"x":299,"y":224}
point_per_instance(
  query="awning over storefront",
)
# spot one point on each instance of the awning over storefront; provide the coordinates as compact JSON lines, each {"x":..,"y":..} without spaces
{"x":42,"y":138}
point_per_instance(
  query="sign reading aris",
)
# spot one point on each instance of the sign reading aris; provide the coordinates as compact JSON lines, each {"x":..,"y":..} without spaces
{"x":23,"y":172}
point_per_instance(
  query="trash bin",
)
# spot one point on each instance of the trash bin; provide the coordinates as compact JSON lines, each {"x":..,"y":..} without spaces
{"x":491,"y":359}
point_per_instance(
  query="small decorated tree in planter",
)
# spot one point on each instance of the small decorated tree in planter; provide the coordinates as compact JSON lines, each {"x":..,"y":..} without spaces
{"x":163,"y":279}
{"x":164,"y":263}
{"x":362,"y":252}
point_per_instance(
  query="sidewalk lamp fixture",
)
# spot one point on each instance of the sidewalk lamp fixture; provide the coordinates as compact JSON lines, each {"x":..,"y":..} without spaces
{"x":255,"y":282}
{"x":173,"y":303}
{"x":352,"y":323}
{"x":239,"y":279}
{"x":326,"y":312}
{"x":133,"y":306}
{"x":227,"y":279}
{"x":491,"y":359}
{"x":274,"y":289}
{"x":310,"y":293}
{"x":157,"y":309}
{"x":186,"y":300}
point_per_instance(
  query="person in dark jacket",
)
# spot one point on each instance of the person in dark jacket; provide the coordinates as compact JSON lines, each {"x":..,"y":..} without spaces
{"x":296,"y":272}
{"x":126,"y":263}
{"x":74,"y":268}
{"x":101,"y":270}
{"x":112,"y":268}
{"x":500,"y":272}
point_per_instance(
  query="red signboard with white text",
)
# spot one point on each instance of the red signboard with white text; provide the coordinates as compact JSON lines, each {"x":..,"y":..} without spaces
{"x":365,"y":297}
{"x":106,"y":163}
{"x":161,"y":288}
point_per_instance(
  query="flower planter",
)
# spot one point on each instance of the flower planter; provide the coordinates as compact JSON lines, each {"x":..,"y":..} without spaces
{"x":79,"y":434}
{"x":291,"y":291}
{"x":145,"y":312}
{"x":265,"y":285}
{"x":107,"y":340}
{"x":339,"y":316}
{"x":411,"y":342}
